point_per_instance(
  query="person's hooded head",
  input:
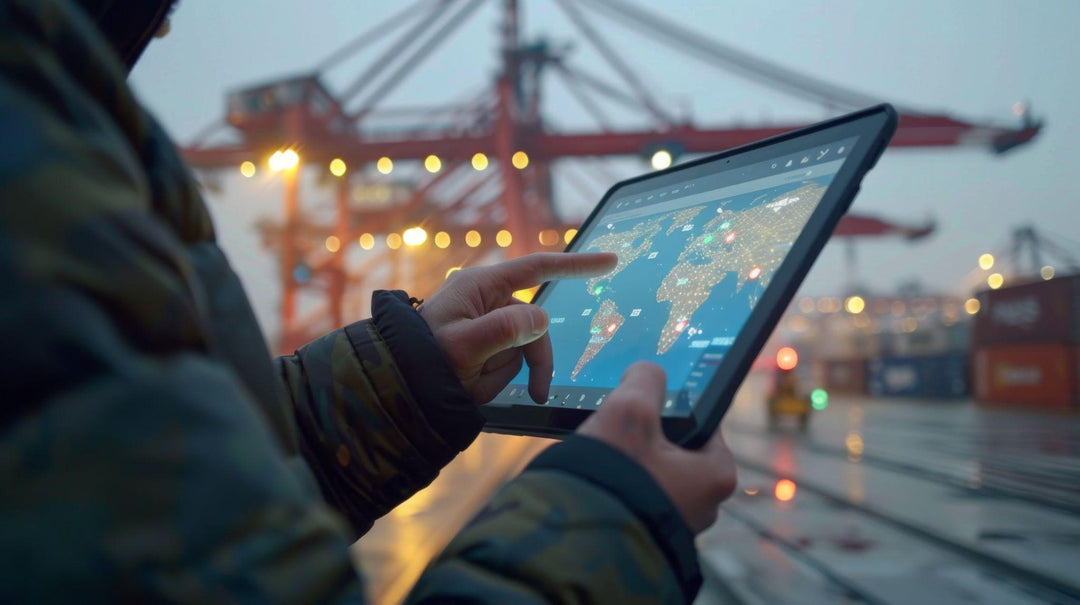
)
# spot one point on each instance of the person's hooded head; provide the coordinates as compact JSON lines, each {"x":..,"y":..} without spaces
{"x":129,"y":25}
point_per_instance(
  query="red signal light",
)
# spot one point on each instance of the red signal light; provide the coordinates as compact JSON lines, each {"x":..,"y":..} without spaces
{"x":787,"y":358}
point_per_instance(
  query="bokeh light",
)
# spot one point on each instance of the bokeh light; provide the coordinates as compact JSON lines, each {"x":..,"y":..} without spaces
{"x":785,"y":490}
{"x":432,"y":164}
{"x":855,"y":305}
{"x":972,"y":306}
{"x":385,"y":165}
{"x":661,"y":159}
{"x":479,"y":161}
{"x":337,"y":167}
{"x":787,"y":358}
{"x":414,"y":236}
{"x":503,"y":238}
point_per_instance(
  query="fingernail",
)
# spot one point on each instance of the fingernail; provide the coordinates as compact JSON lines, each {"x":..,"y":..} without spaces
{"x":539,"y":322}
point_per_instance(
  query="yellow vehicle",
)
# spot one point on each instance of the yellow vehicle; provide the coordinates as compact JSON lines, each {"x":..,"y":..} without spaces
{"x":785,"y":398}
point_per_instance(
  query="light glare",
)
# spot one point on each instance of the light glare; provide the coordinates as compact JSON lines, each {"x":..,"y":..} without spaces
{"x":661,"y":159}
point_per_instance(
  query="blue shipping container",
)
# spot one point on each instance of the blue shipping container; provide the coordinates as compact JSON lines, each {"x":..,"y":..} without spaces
{"x":937,"y":376}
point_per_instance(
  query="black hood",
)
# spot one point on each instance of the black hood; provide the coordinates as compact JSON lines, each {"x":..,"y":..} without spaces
{"x":129,"y":25}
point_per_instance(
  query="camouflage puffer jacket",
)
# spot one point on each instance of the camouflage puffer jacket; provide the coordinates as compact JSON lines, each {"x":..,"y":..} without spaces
{"x":151,"y":450}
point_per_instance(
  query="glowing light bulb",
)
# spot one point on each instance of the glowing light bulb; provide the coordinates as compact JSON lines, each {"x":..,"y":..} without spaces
{"x":337,"y":167}
{"x":661,"y":159}
{"x":432,"y":164}
{"x":986,"y":261}
{"x":414,"y":236}
{"x":384,"y":165}
{"x":367,"y":241}
{"x":995,"y":281}
{"x":503,"y":238}
{"x":972,"y":306}
{"x":442,"y":239}
{"x":247,"y":169}
{"x":549,"y":237}
{"x":855,"y":305}
{"x":520,"y":160}
{"x":479,"y":161}
{"x":393,"y":241}
{"x":785,"y":490}
{"x":472,"y":239}
{"x":333,"y":244}
{"x":569,"y":236}
{"x":787,"y":358}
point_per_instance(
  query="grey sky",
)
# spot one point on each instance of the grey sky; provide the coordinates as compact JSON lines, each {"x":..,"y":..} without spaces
{"x":971,"y":58}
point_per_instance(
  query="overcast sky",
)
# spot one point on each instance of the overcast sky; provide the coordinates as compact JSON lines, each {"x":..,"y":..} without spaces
{"x":972,"y":59}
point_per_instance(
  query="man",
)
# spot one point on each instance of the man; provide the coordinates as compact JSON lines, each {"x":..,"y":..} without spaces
{"x":151,"y":450}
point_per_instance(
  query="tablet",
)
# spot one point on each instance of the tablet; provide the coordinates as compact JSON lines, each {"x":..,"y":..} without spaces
{"x":710,"y":254}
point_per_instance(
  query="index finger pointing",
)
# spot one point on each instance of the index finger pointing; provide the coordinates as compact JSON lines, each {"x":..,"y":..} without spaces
{"x":535,"y":269}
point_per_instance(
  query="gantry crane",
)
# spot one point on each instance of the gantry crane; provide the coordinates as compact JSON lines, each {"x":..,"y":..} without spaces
{"x":487,"y":182}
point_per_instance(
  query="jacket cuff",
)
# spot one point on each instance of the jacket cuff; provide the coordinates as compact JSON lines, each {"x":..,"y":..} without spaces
{"x":610,"y":469}
{"x":445,"y":404}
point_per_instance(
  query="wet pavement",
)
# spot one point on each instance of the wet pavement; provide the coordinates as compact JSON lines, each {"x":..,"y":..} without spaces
{"x":880,"y":501}
{"x":899,"y":501}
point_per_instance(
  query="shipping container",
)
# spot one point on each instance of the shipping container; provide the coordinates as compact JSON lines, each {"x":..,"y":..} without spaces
{"x":842,"y":376}
{"x":1031,"y":374}
{"x":932,"y":376}
{"x":1045,"y":311}
{"x":932,"y":338}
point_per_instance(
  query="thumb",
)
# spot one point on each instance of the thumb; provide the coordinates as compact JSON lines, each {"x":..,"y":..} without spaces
{"x":504,"y":328}
{"x":633,"y":408}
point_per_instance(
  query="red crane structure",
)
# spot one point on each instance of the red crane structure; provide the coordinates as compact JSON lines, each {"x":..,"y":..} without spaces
{"x":487,"y":181}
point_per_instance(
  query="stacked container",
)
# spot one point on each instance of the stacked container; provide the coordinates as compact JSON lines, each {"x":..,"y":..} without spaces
{"x":925,"y":376}
{"x":1025,"y":344}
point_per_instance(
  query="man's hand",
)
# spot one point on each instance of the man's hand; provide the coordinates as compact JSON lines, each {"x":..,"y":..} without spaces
{"x":695,"y":480}
{"x":486,"y":333}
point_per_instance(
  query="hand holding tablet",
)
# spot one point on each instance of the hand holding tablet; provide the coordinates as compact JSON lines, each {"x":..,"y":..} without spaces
{"x":710,"y":253}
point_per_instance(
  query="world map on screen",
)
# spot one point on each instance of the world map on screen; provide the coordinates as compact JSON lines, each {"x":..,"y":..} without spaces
{"x":686,"y":280}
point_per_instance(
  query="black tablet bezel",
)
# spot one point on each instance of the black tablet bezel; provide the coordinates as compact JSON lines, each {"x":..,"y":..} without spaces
{"x":874,"y":127}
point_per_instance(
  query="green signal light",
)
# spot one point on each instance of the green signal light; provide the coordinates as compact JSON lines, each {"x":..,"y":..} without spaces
{"x":819,"y":399}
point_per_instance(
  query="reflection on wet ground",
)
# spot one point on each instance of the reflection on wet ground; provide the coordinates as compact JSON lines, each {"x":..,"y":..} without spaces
{"x":880,"y":501}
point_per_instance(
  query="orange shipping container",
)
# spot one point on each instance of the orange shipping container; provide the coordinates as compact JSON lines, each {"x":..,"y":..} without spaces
{"x":1037,"y":374}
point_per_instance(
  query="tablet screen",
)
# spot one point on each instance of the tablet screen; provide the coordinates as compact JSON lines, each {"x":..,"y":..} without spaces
{"x":694,"y":259}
